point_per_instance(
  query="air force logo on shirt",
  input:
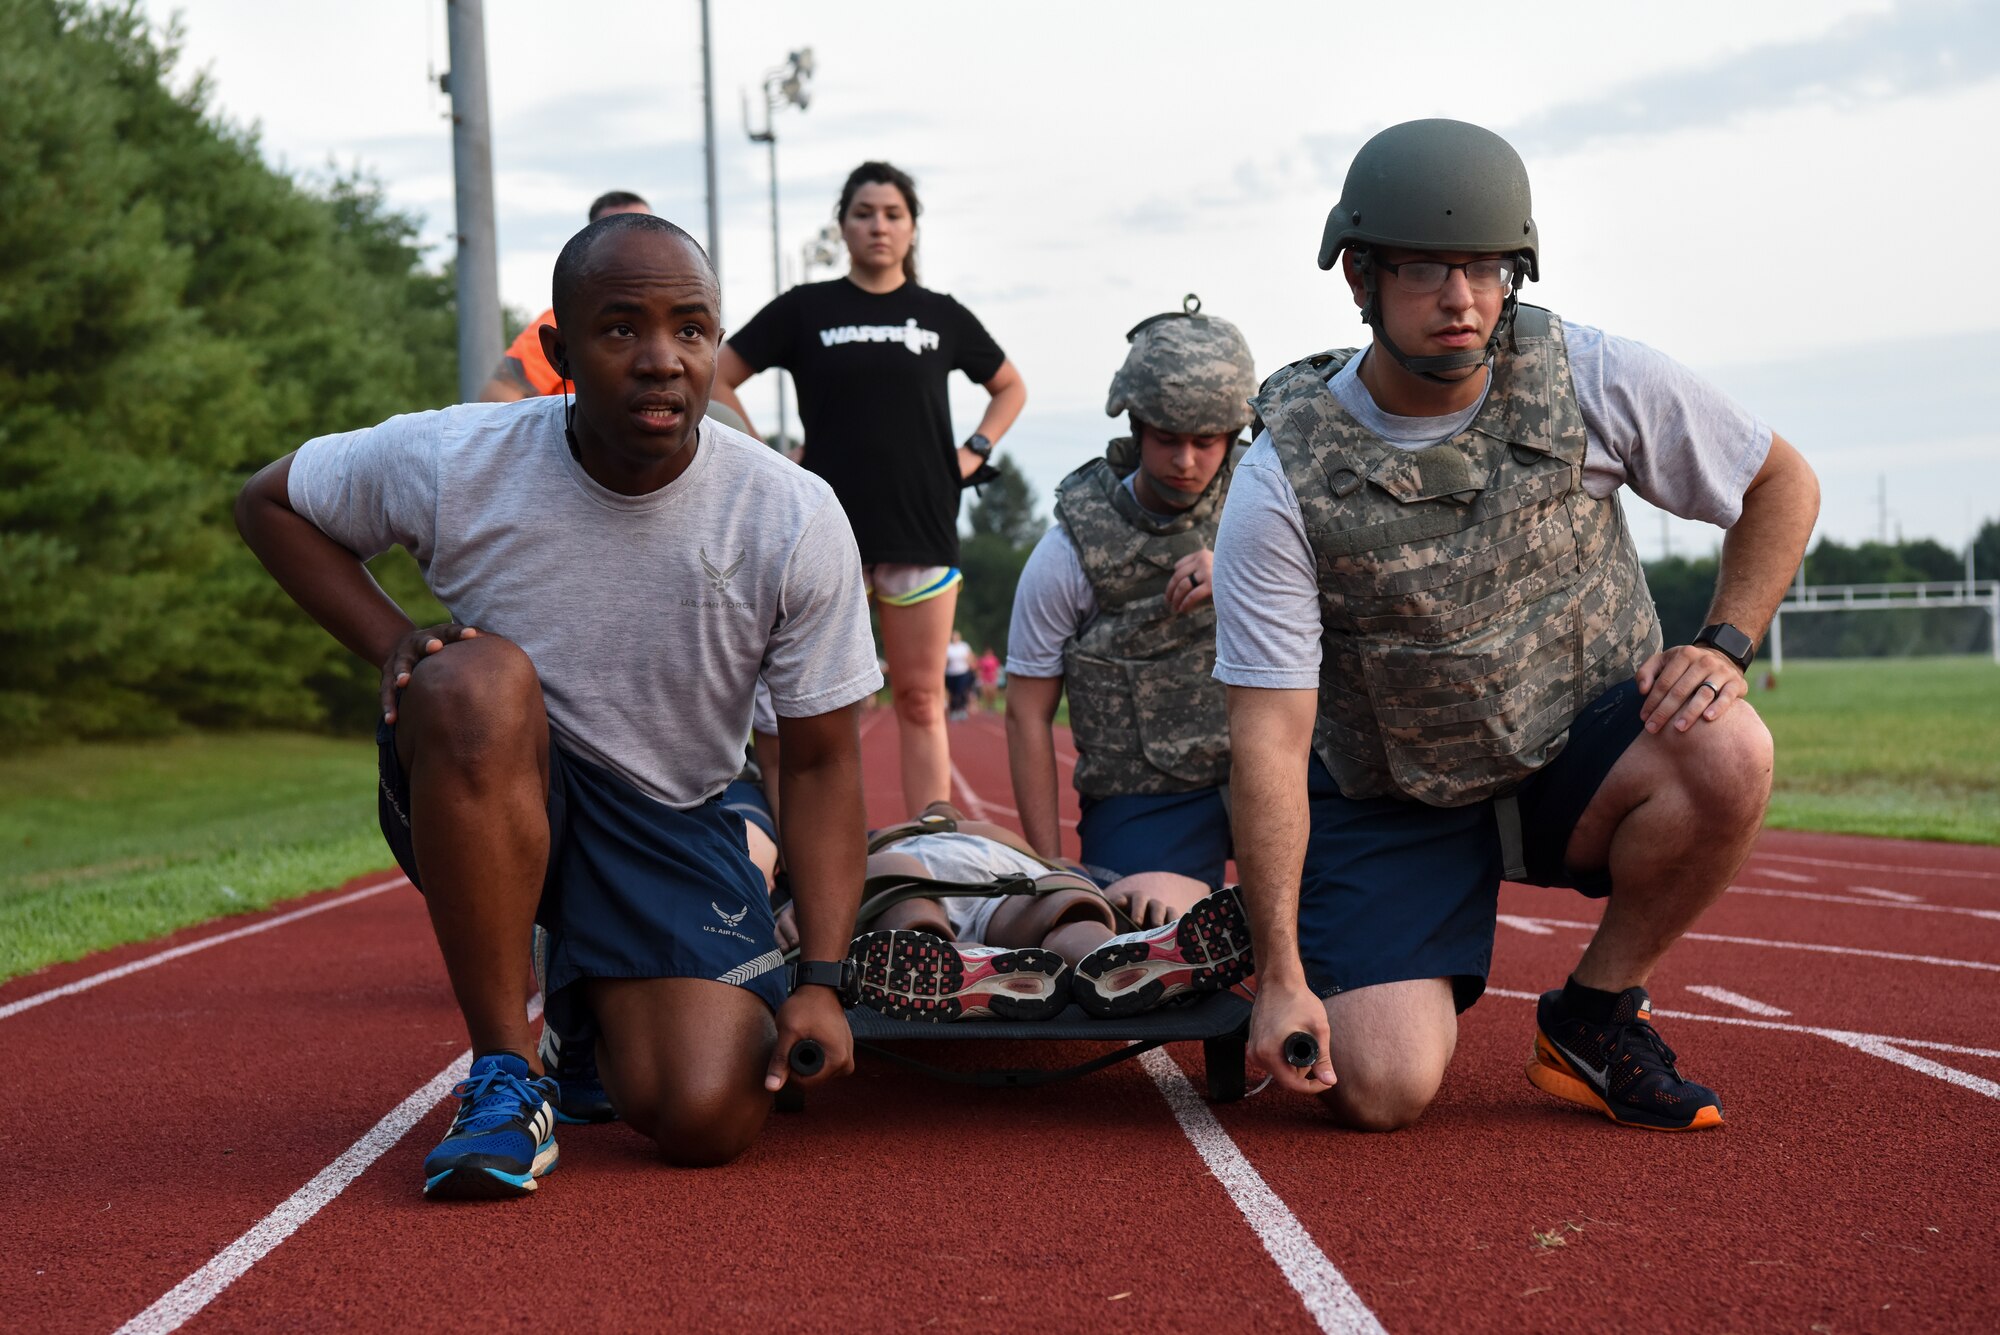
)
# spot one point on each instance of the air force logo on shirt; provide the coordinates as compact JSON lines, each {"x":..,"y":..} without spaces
{"x":718,"y":582}
{"x":918,"y":340}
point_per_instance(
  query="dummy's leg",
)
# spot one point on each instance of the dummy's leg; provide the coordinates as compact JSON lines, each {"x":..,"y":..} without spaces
{"x":1070,"y":922}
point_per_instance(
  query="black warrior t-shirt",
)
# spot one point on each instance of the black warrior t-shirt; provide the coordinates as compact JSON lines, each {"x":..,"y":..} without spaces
{"x":871,"y":370}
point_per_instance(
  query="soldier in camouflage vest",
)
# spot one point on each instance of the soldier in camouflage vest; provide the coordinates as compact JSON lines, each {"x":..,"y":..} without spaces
{"x":1115,"y":608}
{"x":1445,"y":667}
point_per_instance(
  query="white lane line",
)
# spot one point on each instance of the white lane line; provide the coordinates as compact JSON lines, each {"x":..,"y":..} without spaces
{"x":1798,"y":876}
{"x":1905,"y":869}
{"x":1896,"y":955}
{"x":1897,"y":895}
{"x":178,"y":952}
{"x":1951,"y":1075}
{"x":1992,"y":915}
{"x":1738,"y":1000}
{"x":180,"y":1304}
{"x":1532,"y":926}
{"x":1328,"y":1297}
{"x":974,"y":807}
{"x":1885,"y":1046}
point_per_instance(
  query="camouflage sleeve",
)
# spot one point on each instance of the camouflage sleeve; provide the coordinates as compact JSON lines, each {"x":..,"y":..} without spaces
{"x":1052,"y":603}
{"x":1266,"y":589}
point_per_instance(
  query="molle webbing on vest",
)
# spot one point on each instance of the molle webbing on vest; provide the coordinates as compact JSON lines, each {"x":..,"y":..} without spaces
{"x":1473,"y":597}
{"x":1145,"y":711}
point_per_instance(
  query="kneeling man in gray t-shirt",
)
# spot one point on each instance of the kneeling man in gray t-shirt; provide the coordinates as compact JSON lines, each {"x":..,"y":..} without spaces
{"x":619,"y":574}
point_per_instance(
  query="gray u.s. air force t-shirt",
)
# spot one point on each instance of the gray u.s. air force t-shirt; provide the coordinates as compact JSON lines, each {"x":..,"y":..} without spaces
{"x":1651,"y":425}
{"x":648,"y":618}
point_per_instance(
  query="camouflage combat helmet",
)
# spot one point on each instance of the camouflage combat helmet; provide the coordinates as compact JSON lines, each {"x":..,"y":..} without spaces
{"x":1187,"y":373}
{"x":1435,"y":185}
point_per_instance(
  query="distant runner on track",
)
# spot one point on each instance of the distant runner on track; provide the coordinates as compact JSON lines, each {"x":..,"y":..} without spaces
{"x":872,"y":354}
{"x":619,"y":574}
{"x":1114,"y":607}
{"x":1444,"y":664}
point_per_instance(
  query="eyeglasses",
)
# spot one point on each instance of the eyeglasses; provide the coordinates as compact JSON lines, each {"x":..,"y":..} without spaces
{"x":1425,"y":276}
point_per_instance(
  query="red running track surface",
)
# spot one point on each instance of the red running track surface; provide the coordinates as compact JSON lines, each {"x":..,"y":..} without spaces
{"x":200,"y":1107}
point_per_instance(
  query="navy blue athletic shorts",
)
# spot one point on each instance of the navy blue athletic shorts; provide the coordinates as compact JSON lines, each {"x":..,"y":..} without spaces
{"x":747,"y":800}
{"x":1394,"y":889}
{"x":1180,"y":832}
{"x":634,"y":888}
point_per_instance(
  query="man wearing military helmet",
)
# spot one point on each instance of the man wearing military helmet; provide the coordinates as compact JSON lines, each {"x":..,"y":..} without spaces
{"x":1115,"y":606}
{"x":1444,"y":664}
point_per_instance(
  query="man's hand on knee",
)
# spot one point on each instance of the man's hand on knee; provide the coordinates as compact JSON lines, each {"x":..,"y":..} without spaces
{"x":411,"y":650}
{"x":1687,"y":684}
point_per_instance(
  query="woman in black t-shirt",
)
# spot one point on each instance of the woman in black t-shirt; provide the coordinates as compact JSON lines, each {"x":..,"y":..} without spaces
{"x":871,"y":354}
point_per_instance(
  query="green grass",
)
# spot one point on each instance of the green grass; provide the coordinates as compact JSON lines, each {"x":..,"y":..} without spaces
{"x":1906,"y":747}
{"x":105,"y":843}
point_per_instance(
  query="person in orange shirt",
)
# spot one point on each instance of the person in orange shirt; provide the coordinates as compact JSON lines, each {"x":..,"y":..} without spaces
{"x":523,"y":371}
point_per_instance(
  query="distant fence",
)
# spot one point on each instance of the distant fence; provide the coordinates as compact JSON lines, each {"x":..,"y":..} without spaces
{"x":1982,"y":594}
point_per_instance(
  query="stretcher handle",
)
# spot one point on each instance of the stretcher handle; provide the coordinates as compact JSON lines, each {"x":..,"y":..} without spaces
{"x":807,"y":1058}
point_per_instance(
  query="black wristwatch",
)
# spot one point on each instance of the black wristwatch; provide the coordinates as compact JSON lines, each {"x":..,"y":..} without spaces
{"x":1730,"y":642}
{"x":980,"y":446}
{"x":843,"y":976}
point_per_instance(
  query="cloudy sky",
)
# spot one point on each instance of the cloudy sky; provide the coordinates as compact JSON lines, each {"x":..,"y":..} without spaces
{"x":1786,"y":196}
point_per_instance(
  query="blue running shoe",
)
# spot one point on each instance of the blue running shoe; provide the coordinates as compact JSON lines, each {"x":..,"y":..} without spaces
{"x":503,"y":1137}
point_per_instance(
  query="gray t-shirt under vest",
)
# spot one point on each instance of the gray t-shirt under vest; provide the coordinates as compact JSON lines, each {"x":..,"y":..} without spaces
{"x":649,"y":618}
{"x":1651,"y":425}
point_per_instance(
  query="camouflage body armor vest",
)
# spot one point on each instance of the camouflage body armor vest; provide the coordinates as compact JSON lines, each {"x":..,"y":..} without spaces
{"x":1146,"y":714}
{"x":1473,"y":597}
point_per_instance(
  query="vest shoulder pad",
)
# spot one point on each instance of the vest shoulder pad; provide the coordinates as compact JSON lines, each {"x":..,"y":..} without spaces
{"x":1326,"y":365}
{"x":1533,"y":321}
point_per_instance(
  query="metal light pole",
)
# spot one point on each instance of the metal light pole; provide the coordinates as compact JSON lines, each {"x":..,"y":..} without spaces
{"x":822,"y":252}
{"x":708,"y":143}
{"x":479,"y":326}
{"x":787,"y":85}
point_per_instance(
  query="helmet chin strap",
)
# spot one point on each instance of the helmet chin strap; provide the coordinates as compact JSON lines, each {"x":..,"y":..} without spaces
{"x":1428,"y":367}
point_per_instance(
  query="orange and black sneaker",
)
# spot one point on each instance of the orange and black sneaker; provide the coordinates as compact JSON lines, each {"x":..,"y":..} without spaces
{"x":1619,"y":1066}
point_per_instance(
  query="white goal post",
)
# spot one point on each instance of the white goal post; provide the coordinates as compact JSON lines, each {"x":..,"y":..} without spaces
{"x":1983,"y":593}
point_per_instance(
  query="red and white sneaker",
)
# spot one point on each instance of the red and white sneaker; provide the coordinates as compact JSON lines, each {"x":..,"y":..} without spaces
{"x":1205,"y":950}
{"x":917,"y":976}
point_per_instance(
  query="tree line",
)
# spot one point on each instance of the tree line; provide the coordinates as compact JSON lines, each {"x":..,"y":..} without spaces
{"x":173,"y":315}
